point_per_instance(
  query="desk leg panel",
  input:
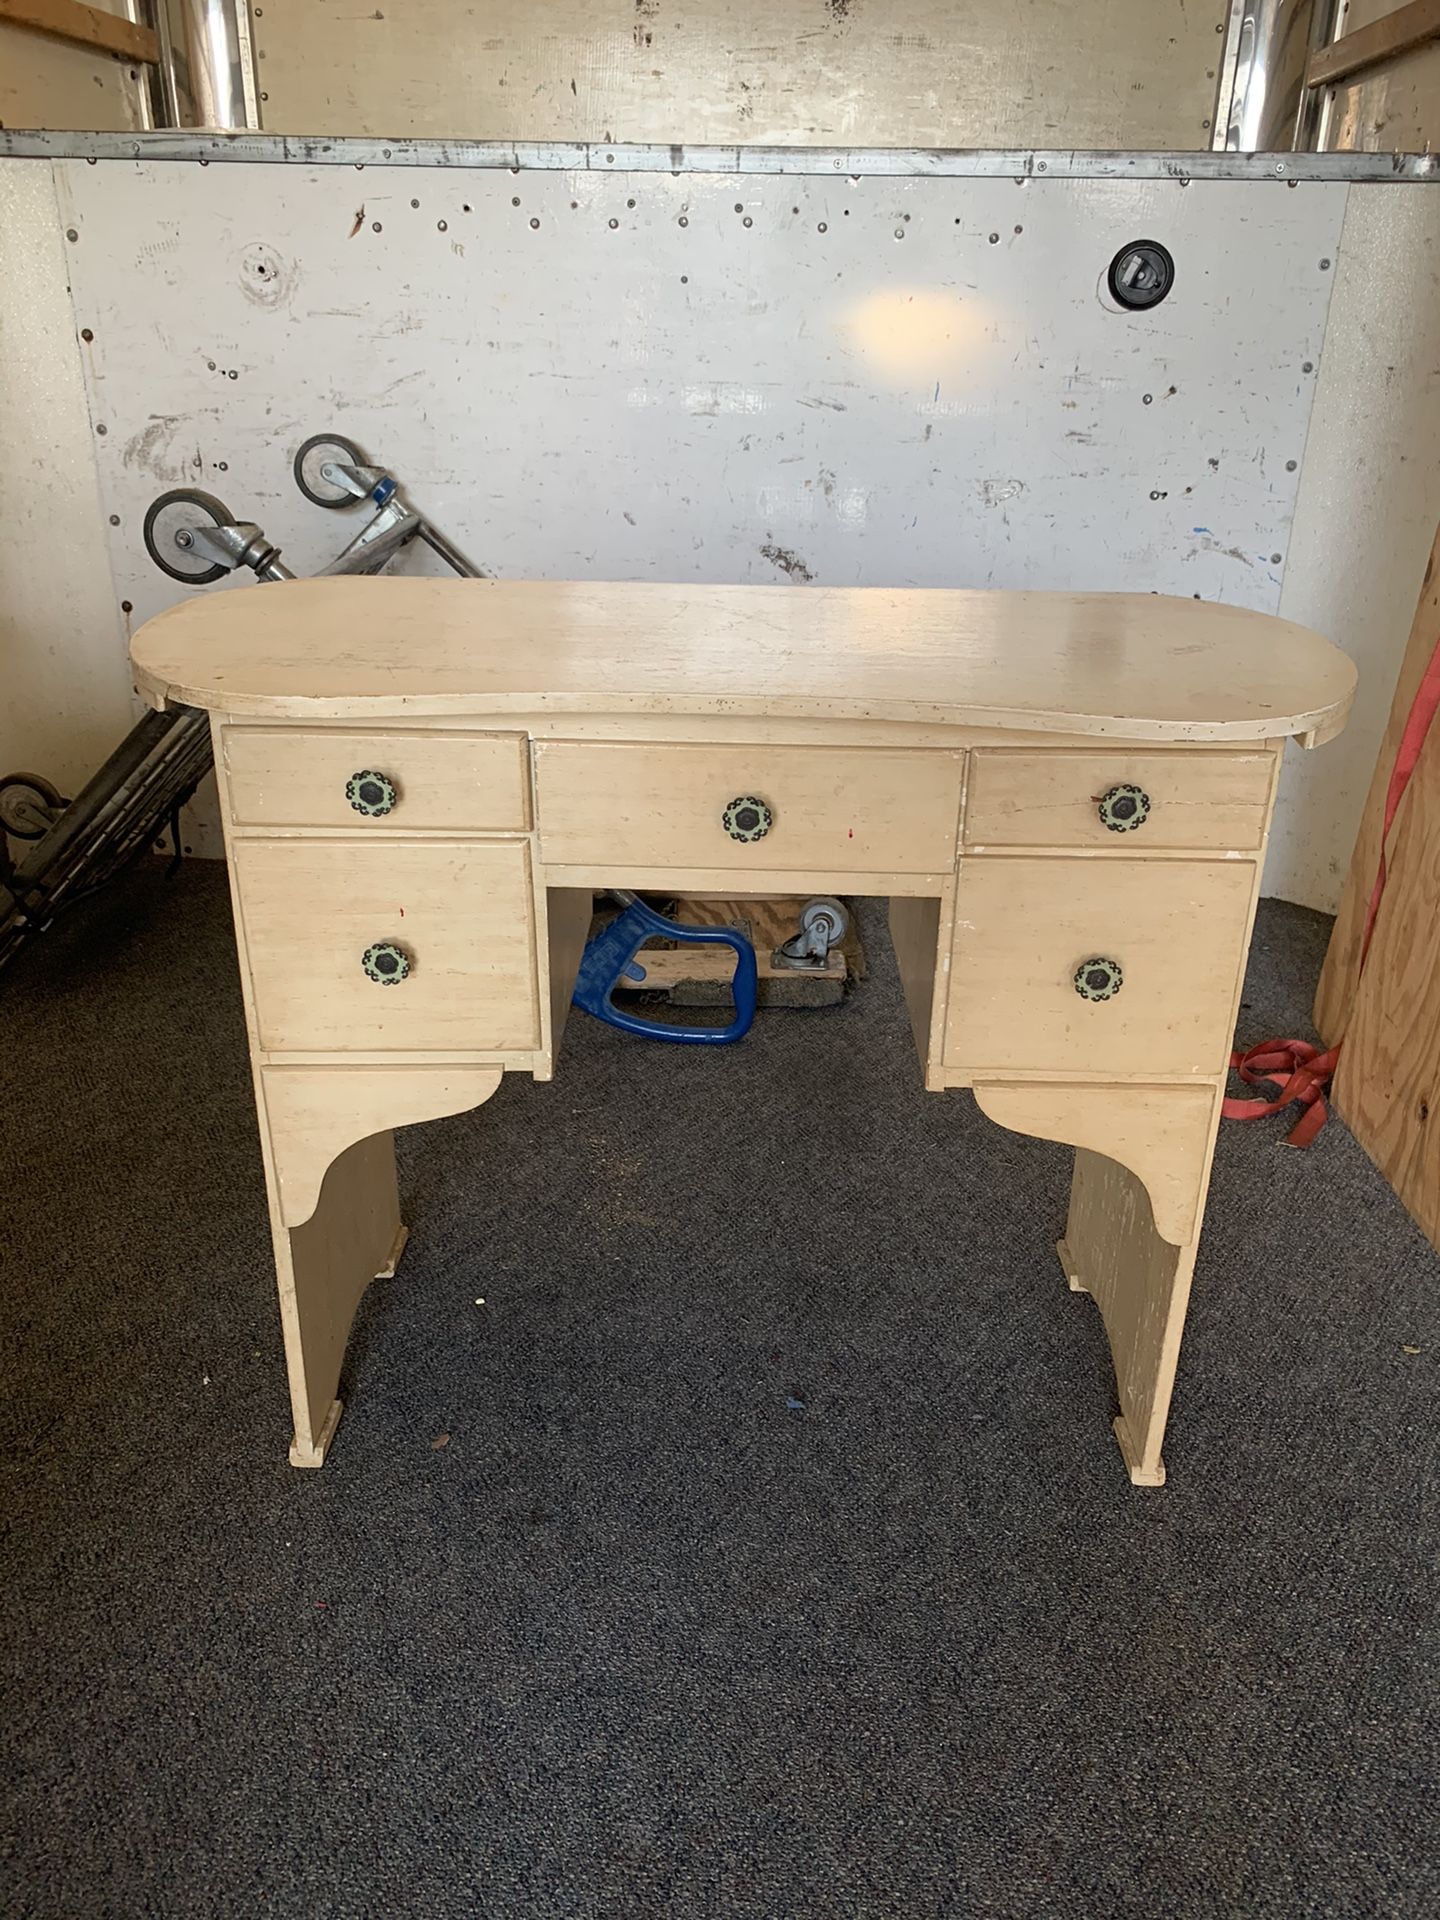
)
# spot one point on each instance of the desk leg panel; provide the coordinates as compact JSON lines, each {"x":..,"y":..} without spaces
{"x":1142,"y":1168}
{"x":323,"y":1267}
{"x":335,"y":1210}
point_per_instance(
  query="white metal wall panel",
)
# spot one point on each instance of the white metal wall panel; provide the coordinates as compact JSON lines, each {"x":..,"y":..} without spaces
{"x":886,"y":381}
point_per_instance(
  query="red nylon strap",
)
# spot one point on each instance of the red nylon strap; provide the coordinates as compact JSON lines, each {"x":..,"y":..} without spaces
{"x":1301,"y":1071}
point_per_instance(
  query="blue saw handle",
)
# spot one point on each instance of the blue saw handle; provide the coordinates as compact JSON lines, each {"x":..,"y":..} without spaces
{"x":609,"y":958}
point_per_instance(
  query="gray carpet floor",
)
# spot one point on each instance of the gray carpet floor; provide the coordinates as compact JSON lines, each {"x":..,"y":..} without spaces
{"x":778,"y":1561}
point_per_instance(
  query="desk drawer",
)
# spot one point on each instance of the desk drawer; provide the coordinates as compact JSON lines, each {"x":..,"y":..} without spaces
{"x":1183,"y":798}
{"x":610,"y":804}
{"x":461,"y":915}
{"x":1176,"y":930}
{"x":455,"y":782}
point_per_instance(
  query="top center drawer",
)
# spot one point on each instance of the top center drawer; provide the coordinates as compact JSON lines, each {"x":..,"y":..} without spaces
{"x":415,"y":779}
{"x":772,"y":809}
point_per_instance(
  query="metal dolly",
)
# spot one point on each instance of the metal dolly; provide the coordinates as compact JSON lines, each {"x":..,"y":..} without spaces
{"x":79,"y":846}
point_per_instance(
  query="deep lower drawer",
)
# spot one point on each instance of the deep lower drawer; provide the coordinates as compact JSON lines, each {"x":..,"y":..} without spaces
{"x":1161,"y":943}
{"x":608,"y":804}
{"x":403,"y":779}
{"x":324,"y":922}
{"x":1118,"y":802}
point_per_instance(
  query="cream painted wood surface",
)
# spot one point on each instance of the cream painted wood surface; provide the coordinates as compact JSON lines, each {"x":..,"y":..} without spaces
{"x":286,"y":777}
{"x":1023,"y":926}
{"x":314,"y":1113}
{"x":1131,"y":73}
{"x":1141,"y":1284}
{"x":987,"y":941}
{"x":1128,"y":666}
{"x":1153,"y":1131}
{"x":353,"y":1237}
{"x":835,"y":809}
{"x":1052,"y":799}
{"x":569,"y":913}
{"x":916,"y":936}
{"x":462,"y":912}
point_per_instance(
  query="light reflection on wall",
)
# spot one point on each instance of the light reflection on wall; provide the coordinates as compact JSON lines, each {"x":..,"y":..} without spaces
{"x":921,"y":336}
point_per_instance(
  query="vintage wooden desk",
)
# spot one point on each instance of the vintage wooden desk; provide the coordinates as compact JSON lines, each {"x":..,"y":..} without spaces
{"x":1064,"y":796}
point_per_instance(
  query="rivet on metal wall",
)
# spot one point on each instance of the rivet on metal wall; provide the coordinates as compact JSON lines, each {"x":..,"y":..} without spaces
{"x":442,"y":226}
{"x":534,"y":223}
{"x":1275,"y":559}
{"x":1291,"y":465}
{"x":86,"y":334}
{"x":114,"y":519}
{"x":71,"y":234}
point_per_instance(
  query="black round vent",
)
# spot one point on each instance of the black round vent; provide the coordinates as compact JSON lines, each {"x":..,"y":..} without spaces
{"x":1141,"y":275}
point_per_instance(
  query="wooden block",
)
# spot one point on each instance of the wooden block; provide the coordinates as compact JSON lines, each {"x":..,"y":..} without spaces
{"x":1385,"y":39}
{"x":85,"y":26}
{"x":700,"y":976}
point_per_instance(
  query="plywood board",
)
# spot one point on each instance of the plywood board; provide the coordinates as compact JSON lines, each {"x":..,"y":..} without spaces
{"x":995,"y":73}
{"x":1388,"y":1083}
{"x":1335,"y":1001}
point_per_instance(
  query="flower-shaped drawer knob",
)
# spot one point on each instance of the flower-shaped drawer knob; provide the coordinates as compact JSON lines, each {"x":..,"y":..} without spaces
{"x":1124,"y":808}
{"x":385,"y":963}
{"x":371,"y":793}
{"x":1098,"y":979}
{"x":747,"y":818}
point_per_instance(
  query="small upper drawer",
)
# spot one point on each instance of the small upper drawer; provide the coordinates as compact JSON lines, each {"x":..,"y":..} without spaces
{"x":310,"y":777}
{"x":846,"y":810}
{"x":1118,"y":801}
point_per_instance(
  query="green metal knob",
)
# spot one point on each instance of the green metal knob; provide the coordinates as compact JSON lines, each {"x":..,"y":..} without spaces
{"x":1124,"y":808}
{"x":1098,"y":979}
{"x":371,"y":793}
{"x":747,"y":818}
{"x":385,"y":963}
